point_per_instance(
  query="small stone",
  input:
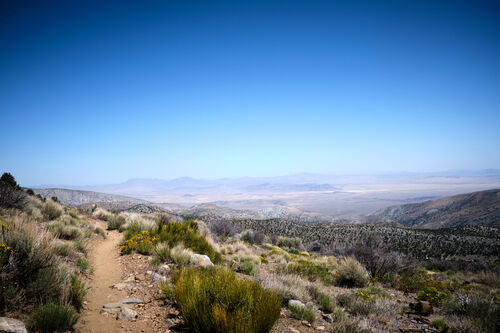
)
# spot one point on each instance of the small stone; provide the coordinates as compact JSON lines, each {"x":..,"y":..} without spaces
{"x":149,"y":272}
{"x":11,"y":325}
{"x":164,"y":269}
{"x":305,"y":323}
{"x":158,"y":277}
{"x":131,"y":301}
{"x":291,"y":330}
{"x":126,"y":313}
{"x":320,"y":328}
{"x":112,"y":305}
{"x":140,"y":277}
{"x":295,"y":303}
{"x":121,"y":286}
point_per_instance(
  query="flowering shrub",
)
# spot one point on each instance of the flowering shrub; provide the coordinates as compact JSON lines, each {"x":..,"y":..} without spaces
{"x":5,"y":252}
{"x":434,"y":292}
{"x":143,"y":243}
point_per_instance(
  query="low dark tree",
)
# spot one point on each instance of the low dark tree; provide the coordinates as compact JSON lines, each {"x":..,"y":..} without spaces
{"x":55,"y":199}
{"x":8,"y":179}
{"x":11,"y":194}
{"x":30,"y":192}
{"x":222,"y":228}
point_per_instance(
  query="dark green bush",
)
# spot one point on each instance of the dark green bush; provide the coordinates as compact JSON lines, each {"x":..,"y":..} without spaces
{"x":53,"y":317}
{"x":215,"y":300}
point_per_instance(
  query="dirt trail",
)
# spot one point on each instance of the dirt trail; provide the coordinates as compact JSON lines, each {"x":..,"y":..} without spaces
{"x":107,"y":271}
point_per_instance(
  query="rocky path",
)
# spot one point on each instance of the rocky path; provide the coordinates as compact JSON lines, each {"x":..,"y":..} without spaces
{"x":107,"y":270}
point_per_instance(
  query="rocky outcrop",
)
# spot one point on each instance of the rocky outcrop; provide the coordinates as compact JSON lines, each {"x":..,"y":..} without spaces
{"x":11,"y":325}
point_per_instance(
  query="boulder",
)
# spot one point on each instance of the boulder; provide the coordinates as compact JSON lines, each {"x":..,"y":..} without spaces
{"x":421,"y":308}
{"x":11,"y":325}
{"x":201,"y":260}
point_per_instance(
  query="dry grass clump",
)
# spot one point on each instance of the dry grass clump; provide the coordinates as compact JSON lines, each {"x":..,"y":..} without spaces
{"x":180,"y":255}
{"x":350,"y":273}
{"x":51,"y":210}
{"x":32,"y":272}
{"x":287,"y":286}
{"x":215,"y":300}
{"x":53,"y":317}
{"x":101,"y":214}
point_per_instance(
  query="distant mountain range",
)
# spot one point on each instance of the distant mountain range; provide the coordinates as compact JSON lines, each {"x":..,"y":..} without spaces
{"x":477,"y":208}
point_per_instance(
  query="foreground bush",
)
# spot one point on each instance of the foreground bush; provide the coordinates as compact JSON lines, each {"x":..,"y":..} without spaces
{"x":31,"y":271}
{"x":222,"y":228}
{"x":53,"y":317}
{"x":215,"y":300}
{"x":350,"y":273}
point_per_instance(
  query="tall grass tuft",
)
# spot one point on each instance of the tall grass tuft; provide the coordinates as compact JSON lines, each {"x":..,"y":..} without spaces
{"x":215,"y":300}
{"x":53,"y":317}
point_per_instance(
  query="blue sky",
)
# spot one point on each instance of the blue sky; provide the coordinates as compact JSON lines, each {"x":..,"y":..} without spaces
{"x":99,"y":93}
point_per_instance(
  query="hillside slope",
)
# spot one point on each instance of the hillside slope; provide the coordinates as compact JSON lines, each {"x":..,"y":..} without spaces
{"x":78,"y":197}
{"x":477,"y":208}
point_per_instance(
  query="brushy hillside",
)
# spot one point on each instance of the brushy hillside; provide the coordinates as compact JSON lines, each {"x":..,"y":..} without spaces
{"x":43,"y":249}
{"x":214,"y":272}
{"x":477,"y":208}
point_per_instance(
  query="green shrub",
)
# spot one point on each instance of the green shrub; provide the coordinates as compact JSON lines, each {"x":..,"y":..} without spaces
{"x":326,"y":304}
{"x":248,"y":266}
{"x":78,"y":292}
{"x":311,"y":270}
{"x":82,"y":264}
{"x":186,"y":233}
{"x":440,"y":324}
{"x":161,"y":252}
{"x":215,"y":300}
{"x":350,"y":273}
{"x":302,"y":312}
{"x":53,"y":317}
{"x":290,"y":243}
{"x":51,"y":210}
{"x":371,"y":293}
{"x":115,"y":221}
{"x":166,"y":289}
{"x":99,"y":231}
{"x":413,"y":282}
{"x":434,"y":292}
{"x":63,"y":250}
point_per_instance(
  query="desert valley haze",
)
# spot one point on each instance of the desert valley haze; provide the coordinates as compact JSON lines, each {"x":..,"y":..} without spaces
{"x":214,"y":166}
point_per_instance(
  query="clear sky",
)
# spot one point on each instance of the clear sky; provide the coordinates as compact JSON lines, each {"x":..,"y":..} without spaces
{"x":99,"y":92}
